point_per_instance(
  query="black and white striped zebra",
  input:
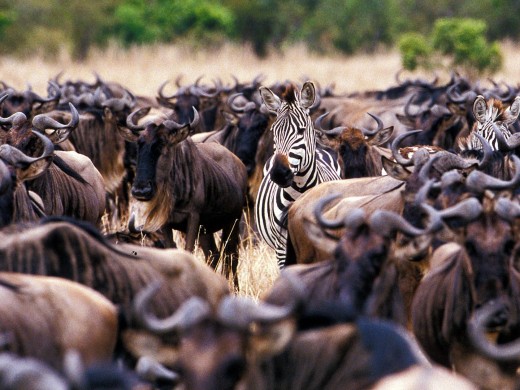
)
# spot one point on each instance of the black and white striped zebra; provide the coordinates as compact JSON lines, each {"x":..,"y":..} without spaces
{"x":486,"y":115}
{"x":296,"y":165}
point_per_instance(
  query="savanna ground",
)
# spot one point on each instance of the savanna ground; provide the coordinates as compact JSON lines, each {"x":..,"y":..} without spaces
{"x":144,"y":69}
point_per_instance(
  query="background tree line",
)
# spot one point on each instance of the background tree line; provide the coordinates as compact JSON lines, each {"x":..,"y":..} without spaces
{"x":347,"y":26}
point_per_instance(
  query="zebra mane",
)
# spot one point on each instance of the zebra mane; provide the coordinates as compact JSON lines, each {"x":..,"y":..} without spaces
{"x":290,"y":93}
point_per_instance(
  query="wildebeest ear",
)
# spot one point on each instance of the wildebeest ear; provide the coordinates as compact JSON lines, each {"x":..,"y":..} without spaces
{"x":271,"y":101}
{"x":308,"y":94}
{"x":33,"y":170}
{"x":394,"y":169}
{"x":127,"y":134}
{"x":267,"y":340}
{"x":381,"y":137}
{"x":479,"y":109}
{"x":405,"y":120}
{"x":319,"y":238}
{"x":57,"y":136}
{"x":176,"y":136}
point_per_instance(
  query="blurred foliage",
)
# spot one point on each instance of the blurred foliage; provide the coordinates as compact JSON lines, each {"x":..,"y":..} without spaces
{"x":346,"y":26}
{"x":458,"y":42}
{"x":415,"y":51}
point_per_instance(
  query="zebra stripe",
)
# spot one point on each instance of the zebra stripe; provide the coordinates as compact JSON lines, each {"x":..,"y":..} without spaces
{"x":489,"y":114}
{"x":295,"y":140}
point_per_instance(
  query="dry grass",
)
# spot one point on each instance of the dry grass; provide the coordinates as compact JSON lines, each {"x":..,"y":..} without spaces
{"x":144,"y":69}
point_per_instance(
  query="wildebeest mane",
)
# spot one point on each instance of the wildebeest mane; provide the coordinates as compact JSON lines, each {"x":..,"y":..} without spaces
{"x":63,"y":196}
{"x":67,"y":251}
{"x":88,"y":228}
{"x":60,"y":163}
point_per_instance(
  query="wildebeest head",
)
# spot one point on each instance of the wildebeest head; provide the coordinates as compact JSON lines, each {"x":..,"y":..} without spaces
{"x":251,"y":123}
{"x":226,"y":340}
{"x":356,"y":147}
{"x":187,"y":97}
{"x":152,"y":138}
{"x":15,"y":168}
{"x":29,"y":102}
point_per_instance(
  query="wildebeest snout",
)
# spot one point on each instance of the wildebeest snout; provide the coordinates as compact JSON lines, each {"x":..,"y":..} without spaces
{"x":143,"y":191}
{"x":281,"y":172}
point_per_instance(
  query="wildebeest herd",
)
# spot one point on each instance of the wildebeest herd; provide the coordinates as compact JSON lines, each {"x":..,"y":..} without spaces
{"x":394,"y":215}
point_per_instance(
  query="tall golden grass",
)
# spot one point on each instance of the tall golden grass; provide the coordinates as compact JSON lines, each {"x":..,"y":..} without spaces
{"x":144,"y":69}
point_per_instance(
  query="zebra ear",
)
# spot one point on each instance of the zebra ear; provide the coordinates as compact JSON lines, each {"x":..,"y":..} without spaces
{"x":479,"y":109}
{"x":514,"y":110}
{"x":308,"y":94}
{"x":271,"y":101}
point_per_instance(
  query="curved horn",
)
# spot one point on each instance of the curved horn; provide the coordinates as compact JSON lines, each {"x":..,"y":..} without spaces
{"x":5,"y":177}
{"x":387,"y":223}
{"x":504,"y":144}
{"x":191,"y":312}
{"x":379,"y":126}
{"x":476,"y":331}
{"x":460,"y":99}
{"x":16,"y":157}
{"x":236,"y":108}
{"x":478,"y":181}
{"x":151,"y":370}
{"x":487,"y":151}
{"x":332,"y":132}
{"x":172,"y":125}
{"x":318,"y":214}
{"x":43,"y":121}
{"x":407,"y":107}
{"x":394,"y":147}
{"x":133,"y":118}
{"x":241,"y":311}
{"x":468,"y":210}
{"x":507,"y":209}
{"x":161,"y":88}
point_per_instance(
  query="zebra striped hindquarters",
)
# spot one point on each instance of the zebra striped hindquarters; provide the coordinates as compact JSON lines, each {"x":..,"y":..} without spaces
{"x":296,"y":165}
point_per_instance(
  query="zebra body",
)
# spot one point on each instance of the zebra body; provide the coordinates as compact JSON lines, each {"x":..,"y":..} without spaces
{"x":296,"y":165}
{"x":488,"y":114}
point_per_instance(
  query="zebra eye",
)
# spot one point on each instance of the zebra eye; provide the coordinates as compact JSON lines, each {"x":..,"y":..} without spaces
{"x":301,"y":130}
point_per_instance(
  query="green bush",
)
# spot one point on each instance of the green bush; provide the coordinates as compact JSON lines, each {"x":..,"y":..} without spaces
{"x":415,"y":51}
{"x":456,"y":43}
{"x":464,"y":41}
{"x":142,"y":21}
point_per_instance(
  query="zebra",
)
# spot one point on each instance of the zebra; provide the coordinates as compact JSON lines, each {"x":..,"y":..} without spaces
{"x":486,"y":115}
{"x":297,"y":164}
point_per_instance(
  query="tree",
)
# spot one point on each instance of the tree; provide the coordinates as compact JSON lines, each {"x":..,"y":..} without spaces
{"x":459,"y":42}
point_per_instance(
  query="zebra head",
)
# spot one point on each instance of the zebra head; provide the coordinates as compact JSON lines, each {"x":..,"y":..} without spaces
{"x":493,"y":112}
{"x":293,"y":132}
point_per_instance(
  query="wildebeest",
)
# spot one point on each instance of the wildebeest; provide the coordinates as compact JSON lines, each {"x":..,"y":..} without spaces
{"x":17,"y":204}
{"x":358,"y":149}
{"x":362,"y":268}
{"x":242,"y":344}
{"x":198,"y":189}
{"x":76,"y":251}
{"x":476,"y":269}
{"x":71,"y":185}
{"x":44,"y":317}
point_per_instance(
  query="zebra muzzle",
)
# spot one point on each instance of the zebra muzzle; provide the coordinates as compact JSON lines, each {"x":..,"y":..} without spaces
{"x":281,"y":172}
